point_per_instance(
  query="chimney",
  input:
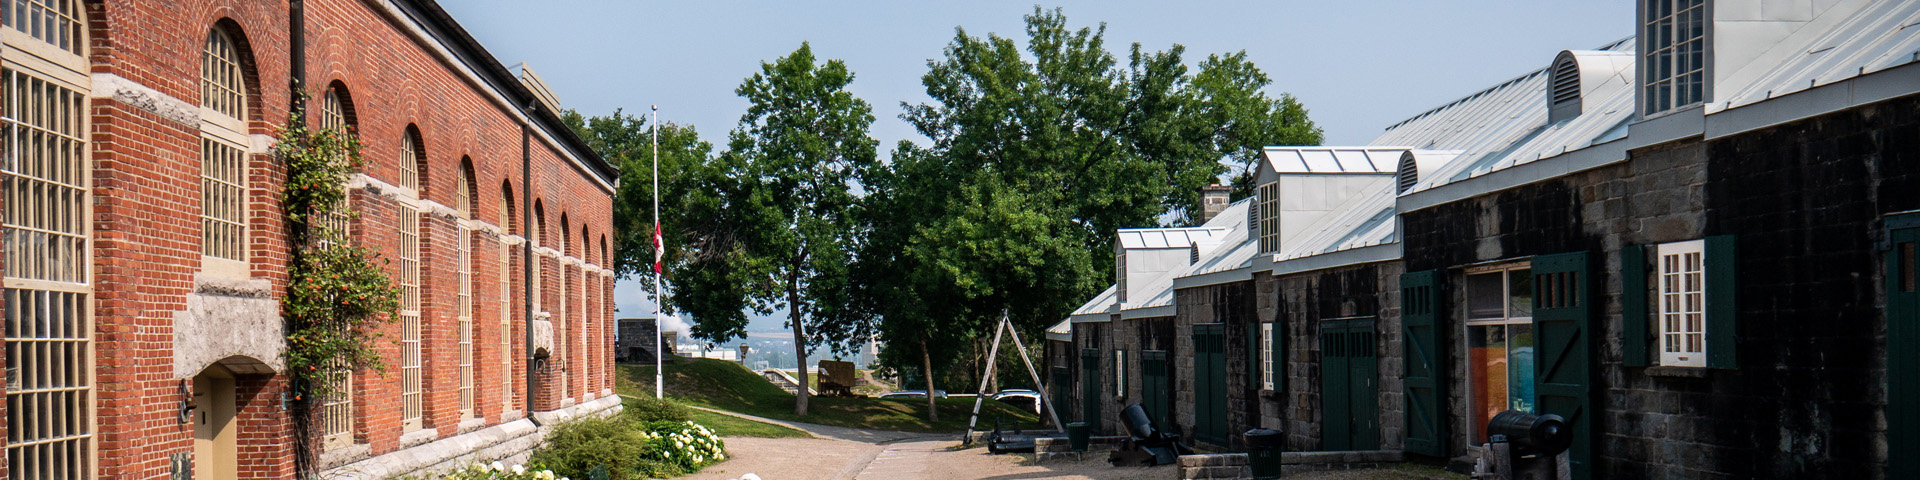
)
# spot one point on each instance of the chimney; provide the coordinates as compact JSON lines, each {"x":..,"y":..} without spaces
{"x":1213,"y":200}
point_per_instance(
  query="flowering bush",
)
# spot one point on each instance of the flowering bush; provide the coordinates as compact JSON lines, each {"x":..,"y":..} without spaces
{"x":685,"y":445}
{"x":496,"y":471}
{"x":629,"y":448}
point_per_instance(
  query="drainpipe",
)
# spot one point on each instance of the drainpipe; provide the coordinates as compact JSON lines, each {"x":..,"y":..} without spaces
{"x":297,"y":43}
{"x":526,"y":246}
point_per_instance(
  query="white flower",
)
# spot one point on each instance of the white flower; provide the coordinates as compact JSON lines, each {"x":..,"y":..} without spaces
{"x":519,"y":469}
{"x":496,"y":466}
{"x":719,"y":456}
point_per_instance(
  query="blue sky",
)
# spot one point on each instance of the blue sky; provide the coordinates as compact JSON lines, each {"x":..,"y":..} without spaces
{"x":1357,"y":66}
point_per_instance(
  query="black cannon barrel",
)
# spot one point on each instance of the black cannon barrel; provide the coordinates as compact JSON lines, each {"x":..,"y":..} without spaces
{"x":1138,"y":423}
{"x":1532,"y":434}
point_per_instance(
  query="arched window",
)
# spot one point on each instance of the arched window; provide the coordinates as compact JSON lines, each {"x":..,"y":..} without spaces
{"x":506,"y":299}
{"x":463,"y":205}
{"x":336,"y":108}
{"x":562,"y":323}
{"x":411,"y":381}
{"x":48,"y":280}
{"x":223,"y":157}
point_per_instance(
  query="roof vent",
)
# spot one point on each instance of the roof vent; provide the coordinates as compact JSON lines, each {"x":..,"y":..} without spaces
{"x":1193,"y":253}
{"x":1563,"y":89}
{"x":1409,"y":172}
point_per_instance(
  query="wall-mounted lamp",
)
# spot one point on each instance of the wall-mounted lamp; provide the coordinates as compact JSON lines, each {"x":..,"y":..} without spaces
{"x":186,"y":402}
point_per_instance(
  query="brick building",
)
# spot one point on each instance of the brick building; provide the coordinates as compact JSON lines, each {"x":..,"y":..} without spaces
{"x":1695,"y":244}
{"x":145,"y":247}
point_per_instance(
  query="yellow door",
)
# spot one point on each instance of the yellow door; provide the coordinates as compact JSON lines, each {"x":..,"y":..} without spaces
{"x":213,"y":425}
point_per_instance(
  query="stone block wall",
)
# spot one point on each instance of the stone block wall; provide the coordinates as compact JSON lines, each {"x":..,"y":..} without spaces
{"x":1215,"y":466}
{"x":1232,"y":304}
{"x":1302,"y":301}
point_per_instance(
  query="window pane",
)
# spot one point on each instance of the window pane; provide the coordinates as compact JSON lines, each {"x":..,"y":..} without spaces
{"x":1484,"y":296}
{"x":1520,"y":293}
{"x":1487,"y":370}
{"x":1520,"y":367}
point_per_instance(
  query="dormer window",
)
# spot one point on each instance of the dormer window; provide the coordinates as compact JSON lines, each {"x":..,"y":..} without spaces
{"x":1269,"y":225}
{"x":1673,"y":54}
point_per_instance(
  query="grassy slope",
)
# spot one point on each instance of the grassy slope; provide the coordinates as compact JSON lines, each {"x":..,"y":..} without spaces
{"x":726,"y":386}
{"x":731,"y":426}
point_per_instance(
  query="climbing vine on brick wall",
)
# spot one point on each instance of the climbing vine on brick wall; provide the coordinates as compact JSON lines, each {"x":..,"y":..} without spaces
{"x":337,"y":292}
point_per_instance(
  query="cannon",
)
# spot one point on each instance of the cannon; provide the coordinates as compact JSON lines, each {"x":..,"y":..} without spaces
{"x":1146,"y":445}
{"x":1525,"y":446}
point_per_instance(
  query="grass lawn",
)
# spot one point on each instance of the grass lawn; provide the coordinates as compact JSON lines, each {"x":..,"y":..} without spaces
{"x":724,"y":385}
{"x":732,"y":426}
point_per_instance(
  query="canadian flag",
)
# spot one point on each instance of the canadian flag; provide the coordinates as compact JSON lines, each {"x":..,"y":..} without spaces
{"x":659,"y":247}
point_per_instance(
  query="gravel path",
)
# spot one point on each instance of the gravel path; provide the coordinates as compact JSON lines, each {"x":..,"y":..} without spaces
{"x":843,"y":453}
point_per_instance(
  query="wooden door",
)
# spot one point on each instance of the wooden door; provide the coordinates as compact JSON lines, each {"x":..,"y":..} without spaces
{"x":1425,"y":376}
{"x":1561,"y":307}
{"x":1903,"y":354}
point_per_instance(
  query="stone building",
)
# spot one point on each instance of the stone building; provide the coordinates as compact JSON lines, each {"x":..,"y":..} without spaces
{"x":145,"y":244}
{"x":1694,"y":244}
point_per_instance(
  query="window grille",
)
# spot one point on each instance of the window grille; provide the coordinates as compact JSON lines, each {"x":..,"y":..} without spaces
{"x":222,"y":200}
{"x":336,"y":410}
{"x":1674,"y":45}
{"x":410,"y":380}
{"x":1270,"y":217}
{"x":506,"y":305}
{"x":222,"y":84}
{"x":55,"y":22}
{"x":1266,"y":356}
{"x":1683,"y":316}
{"x":464,"y":264}
{"x":332,"y":113}
{"x":412,"y":164}
{"x":47,"y":288}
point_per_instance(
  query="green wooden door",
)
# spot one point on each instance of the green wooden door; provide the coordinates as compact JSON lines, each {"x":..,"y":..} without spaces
{"x":1153,"y":386}
{"x":1903,"y":354}
{"x":1349,"y":385}
{"x":1062,"y":392}
{"x":1335,"y":383}
{"x":1210,"y":383}
{"x":1561,"y":305}
{"x":1090,"y":388}
{"x":1425,"y":376}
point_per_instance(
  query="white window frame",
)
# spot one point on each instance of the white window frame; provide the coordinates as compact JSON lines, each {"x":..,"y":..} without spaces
{"x":1267,"y":373}
{"x":412,"y":376}
{"x":1119,"y":373}
{"x":464,"y":277}
{"x":1507,"y":318}
{"x":1268,"y":204}
{"x":48,"y":288}
{"x":1677,"y":54}
{"x":1682,"y":294}
{"x":506,"y":306}
{"x":223,"y":102}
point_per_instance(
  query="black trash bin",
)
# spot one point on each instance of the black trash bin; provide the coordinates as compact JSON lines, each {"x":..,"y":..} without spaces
{"x":1078,"y":435}
{"x":1263,"y":452}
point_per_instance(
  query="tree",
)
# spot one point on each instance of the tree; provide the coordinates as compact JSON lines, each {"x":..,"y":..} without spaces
{"x":793,"y":161}
{"x":1034,"y":161}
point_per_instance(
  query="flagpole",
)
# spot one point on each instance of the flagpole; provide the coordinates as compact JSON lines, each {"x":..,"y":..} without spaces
{"x":659,"y":340}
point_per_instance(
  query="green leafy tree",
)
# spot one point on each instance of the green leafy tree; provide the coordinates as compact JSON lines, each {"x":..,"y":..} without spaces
{"x":1035,"y":158}
{"x":791,"y":165}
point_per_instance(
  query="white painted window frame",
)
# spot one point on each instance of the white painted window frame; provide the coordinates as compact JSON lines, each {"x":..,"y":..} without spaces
{"x":1682,"y":297}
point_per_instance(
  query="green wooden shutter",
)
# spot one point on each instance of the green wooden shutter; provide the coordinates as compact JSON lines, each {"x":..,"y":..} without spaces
{"x":1153,"y":388}
{"x":1903,"y":353}
{"x":1561,"y":307}
{"x":1633,"y":306}
{"x":1424,"y":381}
{"x":1090,"y":389}
{"x":1210,"y":383}
{"x":1279,"y":341}
{"x":1722,"y":330}
{"x":1363,"y":366}
{"x":1253,"y":355}
{"x":1336,"y":409}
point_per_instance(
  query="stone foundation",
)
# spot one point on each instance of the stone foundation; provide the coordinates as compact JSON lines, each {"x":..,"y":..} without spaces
{"x":1050,"y":448}
{"x":1222,"y":465}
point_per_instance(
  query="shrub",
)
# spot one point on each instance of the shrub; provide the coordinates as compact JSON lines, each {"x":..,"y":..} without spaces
{"x":681,"y":447}
{"x":577,"y":446}
{"x":656,"y":410}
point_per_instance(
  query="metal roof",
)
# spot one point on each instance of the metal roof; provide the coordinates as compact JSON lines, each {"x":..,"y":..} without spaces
{"x":1879,"y":36}
{"x":1364,"y":222}
{"x":1283,"y":159}
{"x":1231,"y":232}
{"x":1098,"y":308}
{"x":1061,"y":332}
{"x":1133,"y":238}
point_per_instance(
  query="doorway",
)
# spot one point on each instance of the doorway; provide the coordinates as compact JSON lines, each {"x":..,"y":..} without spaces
{"x":1903,"y":335}
{"x":1349,"y":385}
{"x":214,"y":429}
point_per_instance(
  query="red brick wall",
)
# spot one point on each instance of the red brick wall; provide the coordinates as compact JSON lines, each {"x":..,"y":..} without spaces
{"x":147,"y":198}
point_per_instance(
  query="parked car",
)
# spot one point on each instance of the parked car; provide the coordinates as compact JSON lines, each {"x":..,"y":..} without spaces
{"x":1020,"y":397}
{"x":915,"y":394}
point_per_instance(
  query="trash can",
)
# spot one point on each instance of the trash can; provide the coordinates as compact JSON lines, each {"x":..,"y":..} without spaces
{"x":1077,"y":435}
{"x":1263,"y":452}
